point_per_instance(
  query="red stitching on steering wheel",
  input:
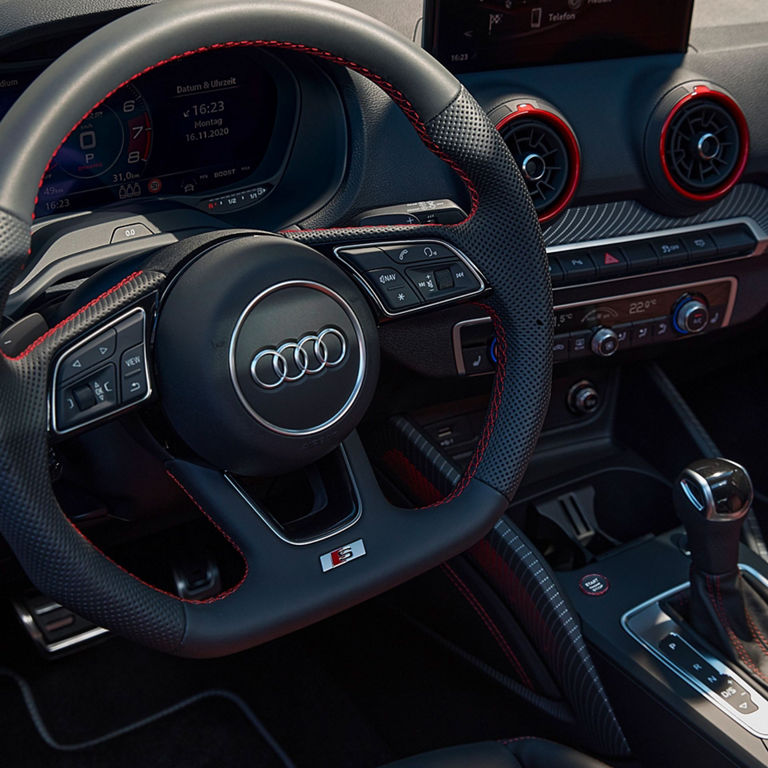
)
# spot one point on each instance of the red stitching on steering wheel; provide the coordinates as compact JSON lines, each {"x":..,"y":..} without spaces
{"x":396,"y":95}
{"x":40,"y":339}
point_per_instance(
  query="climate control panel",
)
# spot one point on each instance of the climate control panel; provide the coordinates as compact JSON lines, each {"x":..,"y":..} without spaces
{"x":607,"y":326}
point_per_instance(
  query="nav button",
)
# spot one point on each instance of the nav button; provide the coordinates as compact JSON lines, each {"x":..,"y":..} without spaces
{"x":386,"y":278}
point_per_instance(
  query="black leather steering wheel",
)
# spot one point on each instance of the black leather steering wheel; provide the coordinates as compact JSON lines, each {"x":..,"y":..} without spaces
{"x":283,"y":587}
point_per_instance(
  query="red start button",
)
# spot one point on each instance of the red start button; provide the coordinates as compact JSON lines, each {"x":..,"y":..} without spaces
{"x":594,"y":584}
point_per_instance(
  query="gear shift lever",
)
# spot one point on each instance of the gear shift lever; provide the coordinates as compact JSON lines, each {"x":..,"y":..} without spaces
{"x":726,"y":609}
{"x":711,"y":498}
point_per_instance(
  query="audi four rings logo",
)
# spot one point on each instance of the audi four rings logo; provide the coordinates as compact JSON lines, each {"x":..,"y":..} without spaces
{"x":296,"y":359}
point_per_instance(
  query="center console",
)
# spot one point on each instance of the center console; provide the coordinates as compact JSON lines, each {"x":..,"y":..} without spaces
{"x":678,"y":625}
{"x":609,"y":310}
{"x":697,"y":705}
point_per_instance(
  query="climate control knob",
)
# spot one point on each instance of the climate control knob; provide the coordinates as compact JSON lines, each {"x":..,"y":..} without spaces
{"x":605,"y":342}
{"x":691,"y":315}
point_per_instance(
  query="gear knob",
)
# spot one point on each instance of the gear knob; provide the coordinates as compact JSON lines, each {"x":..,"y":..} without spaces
{"x":711,"y":498}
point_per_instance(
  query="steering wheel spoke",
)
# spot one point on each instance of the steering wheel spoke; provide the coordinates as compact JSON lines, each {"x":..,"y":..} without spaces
{"x":312,"y":579}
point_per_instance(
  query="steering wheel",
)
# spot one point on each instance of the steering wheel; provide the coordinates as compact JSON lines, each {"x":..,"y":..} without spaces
{"x":235,"y":293}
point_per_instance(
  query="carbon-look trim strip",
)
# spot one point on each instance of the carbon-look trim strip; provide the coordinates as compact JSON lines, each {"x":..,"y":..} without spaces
{"x":629,"y":218}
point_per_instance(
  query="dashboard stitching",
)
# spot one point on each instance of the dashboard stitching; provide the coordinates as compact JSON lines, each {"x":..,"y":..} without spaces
{"x":396,"y":95}
{"x":40,"y":339}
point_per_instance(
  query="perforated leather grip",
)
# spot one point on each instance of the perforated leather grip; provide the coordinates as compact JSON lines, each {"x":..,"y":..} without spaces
{"x":501,"y":235}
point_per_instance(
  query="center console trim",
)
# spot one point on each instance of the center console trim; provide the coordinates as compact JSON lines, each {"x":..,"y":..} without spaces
{"x":757,"y":722}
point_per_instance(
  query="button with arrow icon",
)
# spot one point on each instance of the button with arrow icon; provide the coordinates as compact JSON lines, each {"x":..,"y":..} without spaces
{"x":88,"y":355}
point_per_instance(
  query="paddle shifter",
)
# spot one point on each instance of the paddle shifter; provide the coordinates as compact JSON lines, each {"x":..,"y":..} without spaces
{"x":726,"y":608}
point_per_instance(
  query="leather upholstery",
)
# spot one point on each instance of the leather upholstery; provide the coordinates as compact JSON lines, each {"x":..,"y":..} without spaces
{"x":516,"y":753}
{"x":729,"y":611}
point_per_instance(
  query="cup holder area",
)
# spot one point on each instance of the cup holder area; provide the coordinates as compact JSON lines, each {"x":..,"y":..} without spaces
{"x":586,"y":517}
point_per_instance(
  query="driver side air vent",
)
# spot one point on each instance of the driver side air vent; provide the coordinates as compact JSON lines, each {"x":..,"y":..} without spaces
{"x":701,"y":143}
{"x":546,"y":151}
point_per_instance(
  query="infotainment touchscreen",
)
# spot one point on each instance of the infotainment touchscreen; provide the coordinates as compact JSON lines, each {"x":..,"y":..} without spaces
{"x":470,"y":35}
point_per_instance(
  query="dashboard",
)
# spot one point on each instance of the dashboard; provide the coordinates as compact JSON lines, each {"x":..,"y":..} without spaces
{"x":626,"y":151}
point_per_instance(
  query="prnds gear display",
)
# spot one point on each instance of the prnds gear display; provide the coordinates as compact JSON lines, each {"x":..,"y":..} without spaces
{"x":471,"y":35}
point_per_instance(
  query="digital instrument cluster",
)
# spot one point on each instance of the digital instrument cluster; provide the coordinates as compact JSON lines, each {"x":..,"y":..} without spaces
{"x":201,"y":123}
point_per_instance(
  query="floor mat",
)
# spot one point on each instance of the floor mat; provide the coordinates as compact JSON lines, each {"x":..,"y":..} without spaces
{"x":355,"y":691}
{"x":213,"y":728}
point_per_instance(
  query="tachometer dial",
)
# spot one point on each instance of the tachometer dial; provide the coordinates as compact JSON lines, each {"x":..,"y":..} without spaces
{"x":112,"y":144}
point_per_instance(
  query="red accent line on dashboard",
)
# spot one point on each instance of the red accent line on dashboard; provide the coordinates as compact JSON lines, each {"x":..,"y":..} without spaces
{"x":421,"y":488}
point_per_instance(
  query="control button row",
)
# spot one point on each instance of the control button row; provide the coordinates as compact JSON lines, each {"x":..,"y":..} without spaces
{"x":635,"y":256}
{"x":106,"y":373}
{"x":88,"y":356}
{"x":571,"y":346}
{"x":399,"y":253}
{"x":439,"y":275}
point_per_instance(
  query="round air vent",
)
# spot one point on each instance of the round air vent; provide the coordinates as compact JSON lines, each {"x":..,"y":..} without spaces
{"x":703,"y":143}
{"x":546,"y":151}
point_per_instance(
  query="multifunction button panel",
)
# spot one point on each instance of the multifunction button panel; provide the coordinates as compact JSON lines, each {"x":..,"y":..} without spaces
{"x":406,"y":276}
{"x":571,"y":265}
{"x":713,"y":677}
{"x":606,"y":326}
{"x":105,"y":373}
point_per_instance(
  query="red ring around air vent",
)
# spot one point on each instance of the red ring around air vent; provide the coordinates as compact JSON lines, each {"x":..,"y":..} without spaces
{"x":572,"y":149}
{"x":702,"y":91}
